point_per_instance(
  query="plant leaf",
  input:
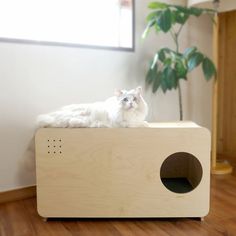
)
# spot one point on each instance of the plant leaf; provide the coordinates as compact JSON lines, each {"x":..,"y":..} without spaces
{"x":161,"y":55}
{"x":173,"y":18}
{"x":147,"y":29}
{"x":165,"y":20}
{"x":154,"y":61}
{"x":209,"y":11}
{"x":188,"y":51}
{"x":181,"y":70}
{"x":153,"y":15}
{"x":182,"y":9}
{"x":195,"y":11}
{"x":157,"y":28}
{"x":208,"y":68}
{"x":164,"y":84}
{"x":157,"y":82}
{"x":170,"y":77}
{"x":180,"y":17}
{"x":157,"y":5}
{"x":194,"y":60}
{"x":151,"y":75}
{"x":167,"y":62}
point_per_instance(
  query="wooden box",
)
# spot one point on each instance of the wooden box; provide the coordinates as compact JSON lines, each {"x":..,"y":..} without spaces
{"x":160,"y":171}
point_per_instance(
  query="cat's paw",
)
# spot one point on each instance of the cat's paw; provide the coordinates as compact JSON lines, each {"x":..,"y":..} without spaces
{"x":145,"y":124}
{"x":77,"y":123}
{"x":124,"y":124}
{"x":142,"y":124}
{"x":138,"y":124}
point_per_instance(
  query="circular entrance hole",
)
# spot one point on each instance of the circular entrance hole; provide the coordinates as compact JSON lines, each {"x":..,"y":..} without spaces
{"x":181,"y":172}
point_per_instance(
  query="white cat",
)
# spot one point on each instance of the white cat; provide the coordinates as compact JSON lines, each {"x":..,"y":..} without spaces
{"x":125,"y":109}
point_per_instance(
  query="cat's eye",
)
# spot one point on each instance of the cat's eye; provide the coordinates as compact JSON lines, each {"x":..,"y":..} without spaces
{"x":125,"y":99}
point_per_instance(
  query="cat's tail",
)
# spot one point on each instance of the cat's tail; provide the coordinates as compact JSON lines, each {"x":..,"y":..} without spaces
{"x":44,"y":121}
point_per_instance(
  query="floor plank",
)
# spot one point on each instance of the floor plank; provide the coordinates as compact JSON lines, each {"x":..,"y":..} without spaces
{"x":20,"y":218}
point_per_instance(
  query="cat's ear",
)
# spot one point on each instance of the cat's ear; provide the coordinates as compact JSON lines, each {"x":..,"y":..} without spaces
{"x":118,"y":92}
{"x":139,"y":90}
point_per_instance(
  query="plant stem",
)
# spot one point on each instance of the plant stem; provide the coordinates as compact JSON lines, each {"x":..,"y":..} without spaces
{"x":180,"y":103}
{"x":180,"y":28}
{"x":175,"y":37}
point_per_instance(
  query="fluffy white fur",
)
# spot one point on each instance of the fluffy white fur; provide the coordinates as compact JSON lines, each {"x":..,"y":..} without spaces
{"x":125,"y":109}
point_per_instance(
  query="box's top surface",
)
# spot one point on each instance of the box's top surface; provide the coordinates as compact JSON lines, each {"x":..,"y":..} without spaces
{"x":177,"y":124}
{"x":157,"y":125}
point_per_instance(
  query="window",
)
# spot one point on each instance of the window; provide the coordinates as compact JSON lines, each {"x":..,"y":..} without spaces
{"x":104,"y":23}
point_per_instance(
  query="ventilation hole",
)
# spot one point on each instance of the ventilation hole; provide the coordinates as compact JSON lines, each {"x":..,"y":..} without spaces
{"x":59,"y":146}
{"x":54,"y":140}
{"x":48,"y":140}
{"x":54,"y":146}
{"x":48,"y":152}
{"x":54,"y":152}
{"x":181,"y":172}
{"x":60,"y":151}
{"x":59,"y":140}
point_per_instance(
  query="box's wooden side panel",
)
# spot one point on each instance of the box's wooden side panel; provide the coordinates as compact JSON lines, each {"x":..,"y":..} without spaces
{"x":116,"y":172}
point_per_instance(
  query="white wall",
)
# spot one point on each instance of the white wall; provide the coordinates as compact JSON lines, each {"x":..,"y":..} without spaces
{"x":199,"y":91}
{"x":37,"y":79}
{"x":227,"y":6}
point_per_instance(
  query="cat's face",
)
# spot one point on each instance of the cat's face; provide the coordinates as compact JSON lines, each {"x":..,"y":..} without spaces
{"x":129,"y":100}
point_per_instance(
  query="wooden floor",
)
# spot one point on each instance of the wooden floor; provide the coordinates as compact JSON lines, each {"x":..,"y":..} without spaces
{"x":21,"y":218}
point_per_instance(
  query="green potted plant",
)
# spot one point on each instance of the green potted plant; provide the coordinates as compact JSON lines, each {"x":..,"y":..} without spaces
{"x":169,"y":66}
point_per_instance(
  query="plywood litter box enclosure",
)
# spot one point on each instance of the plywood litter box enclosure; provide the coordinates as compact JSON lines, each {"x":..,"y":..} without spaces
{"x":159,"y":171}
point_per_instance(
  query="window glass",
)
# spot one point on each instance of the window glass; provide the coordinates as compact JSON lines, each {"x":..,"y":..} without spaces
{"x":106,"y":23}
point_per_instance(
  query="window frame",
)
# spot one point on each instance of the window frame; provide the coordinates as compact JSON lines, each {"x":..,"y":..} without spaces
{"x":76,"y":45}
